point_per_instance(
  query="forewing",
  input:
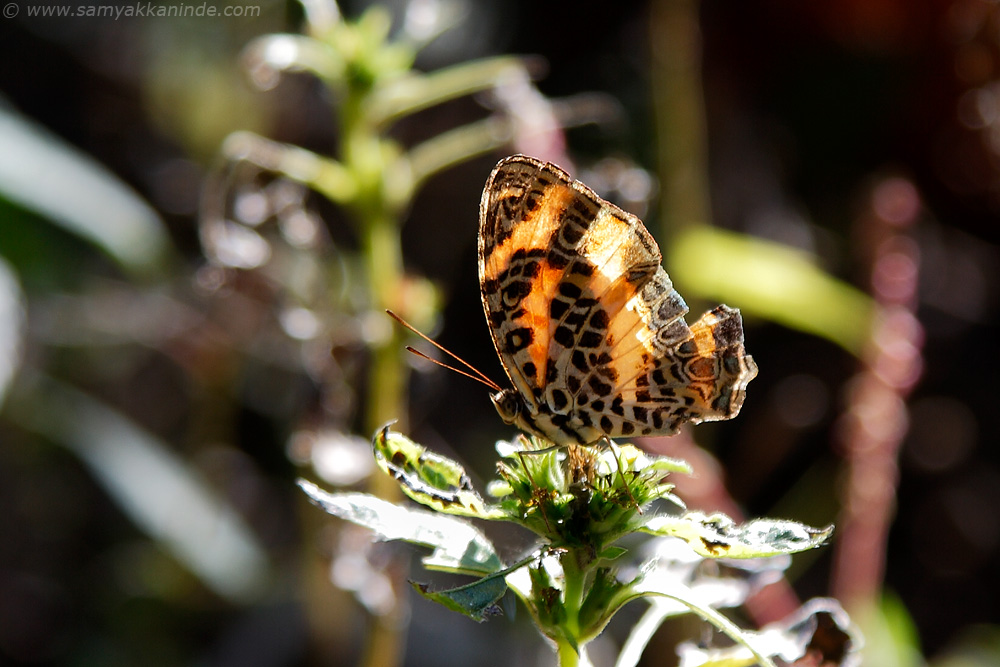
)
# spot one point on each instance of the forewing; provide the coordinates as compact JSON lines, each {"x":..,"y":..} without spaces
{"x":532,"y":220}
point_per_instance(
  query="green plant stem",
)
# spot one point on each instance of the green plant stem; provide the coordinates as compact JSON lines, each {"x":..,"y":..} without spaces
{"x":383,"y":258}
{"x":568,"y":656}
{"x":680,"y":114}
{"x":574,"y":587}
{"x":365,"y":157}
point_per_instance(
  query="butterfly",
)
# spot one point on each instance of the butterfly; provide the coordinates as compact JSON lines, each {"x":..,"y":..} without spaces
{"x":586,"y":322}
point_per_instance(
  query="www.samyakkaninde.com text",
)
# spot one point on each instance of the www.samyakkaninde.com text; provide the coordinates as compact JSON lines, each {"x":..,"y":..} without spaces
{"x":138,"y":10}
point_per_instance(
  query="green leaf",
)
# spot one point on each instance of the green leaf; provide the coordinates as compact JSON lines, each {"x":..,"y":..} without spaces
{"x":429,"y":478}
{"x":158,"y":491}
{"x":743,"y":638}
{"x":12,"y":329}
{"x":718,"y":536}
{"x":612,"y":553}
{"x":457,"y":545}
{"x":819,"y":632}
{"x":891,"y":638}
{"x":771,"y":280}
{"x":268,"y":56}
{"x":605,"y":596}
{"x":325,"y":175}
{"x":414,"y":91}
{"x":476,"y":600}
{"x":43,"y":174}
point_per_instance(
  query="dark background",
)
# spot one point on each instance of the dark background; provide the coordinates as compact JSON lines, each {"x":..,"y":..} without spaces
{"x":806,"y":105}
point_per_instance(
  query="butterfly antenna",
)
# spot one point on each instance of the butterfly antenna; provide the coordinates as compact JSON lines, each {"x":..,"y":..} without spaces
{"x":476,"y":374}
{"x":420,"y":354}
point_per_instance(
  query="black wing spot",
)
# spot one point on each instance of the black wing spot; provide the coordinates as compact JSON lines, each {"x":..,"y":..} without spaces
{"x":564,"y":336}
{"x":518,"y":339}
{"x":575,"y":319}
{"x":557,"y":259}
{"x":721,"y":404}
{"x":591,"y":339}
{"x":557,"y":309}
{"x":571,"y":234}
{"x":531,"y":269}
{"x":608,"y":372}
{"x":600,"y":320}
{"x":617,"y":406}
{"x":602,"y":359}
{"x":515,"y":292}
{"x":600,"y":388}
{"x":559,"y":400}
{"x":731,"y":364}
{"x":569,"y":290}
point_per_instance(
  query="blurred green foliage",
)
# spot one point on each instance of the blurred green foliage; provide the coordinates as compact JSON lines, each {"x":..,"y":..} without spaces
{"x":139,"y":374}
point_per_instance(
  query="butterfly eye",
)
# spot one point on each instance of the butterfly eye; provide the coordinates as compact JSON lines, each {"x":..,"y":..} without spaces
{"x":507,"y":404}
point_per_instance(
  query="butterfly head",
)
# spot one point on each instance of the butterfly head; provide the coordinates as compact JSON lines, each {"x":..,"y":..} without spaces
{"x":514,"y":411}
{"x":542,"y":423}
{"x":510,"y":407}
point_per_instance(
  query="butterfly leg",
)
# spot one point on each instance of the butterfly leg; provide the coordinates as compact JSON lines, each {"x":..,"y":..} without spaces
{"x":536,"y":490}
{"x":606,"y":441}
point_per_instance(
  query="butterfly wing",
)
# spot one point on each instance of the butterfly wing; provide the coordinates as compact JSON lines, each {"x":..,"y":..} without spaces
{"x":527,"y":216}
{"x":586,"y":321}
{"x":701,"y":378}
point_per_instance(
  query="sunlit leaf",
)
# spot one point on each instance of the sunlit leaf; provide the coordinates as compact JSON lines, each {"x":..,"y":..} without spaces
{"x":891,"y":636}
{"x":268,"y":56}
{"x":325,"y":175}
{"x":457,"y":545}
{"x":11,"y":326}
{"x":161,"y":494}
{"x":429,"y":478}
{"x":773,"y":281}
{"x":413,"y":92}
{"x":718,"y":536}
{"x":819,"y":632}
{"x":321,"y":15}
{"x":687,"y":597}
{"x":675,"y":563}
{"x":42,"y":173}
